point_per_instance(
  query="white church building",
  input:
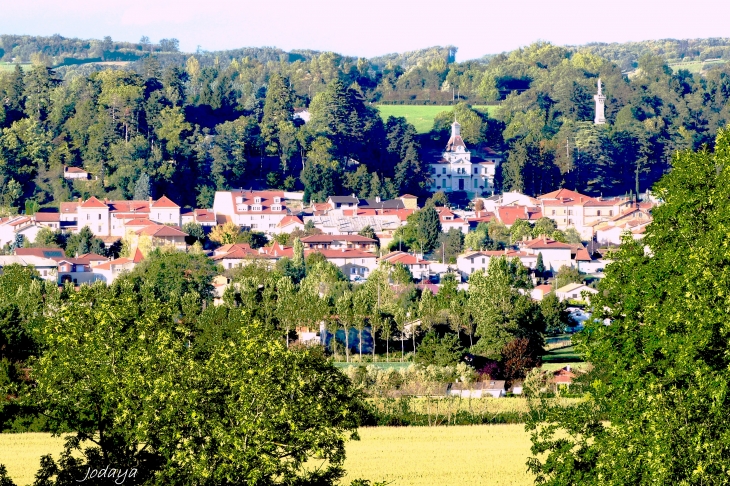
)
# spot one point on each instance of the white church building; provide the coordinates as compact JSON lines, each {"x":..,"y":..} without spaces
{"x":458,"y":170}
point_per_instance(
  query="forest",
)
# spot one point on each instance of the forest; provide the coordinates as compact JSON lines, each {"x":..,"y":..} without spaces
{"x":192,"y":124}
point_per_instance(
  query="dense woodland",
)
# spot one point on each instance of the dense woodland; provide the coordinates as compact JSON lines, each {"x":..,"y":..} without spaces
{"x":193,"y":124}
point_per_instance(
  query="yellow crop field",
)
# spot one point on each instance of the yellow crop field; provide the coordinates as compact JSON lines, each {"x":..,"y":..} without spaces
{"x":478,"y":455}
{"x":481,"y":455}
{"x":21,"y":454}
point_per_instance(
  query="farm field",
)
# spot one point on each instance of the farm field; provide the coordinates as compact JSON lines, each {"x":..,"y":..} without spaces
{"x":695,"y":66}
{"x":484,"y":455}
{"x":480,"y":455}
{"x":9,"y":66}
{"x":421,"y":116}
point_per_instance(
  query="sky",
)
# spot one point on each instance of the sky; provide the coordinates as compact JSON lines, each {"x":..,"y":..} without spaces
{"x":373,"y":27}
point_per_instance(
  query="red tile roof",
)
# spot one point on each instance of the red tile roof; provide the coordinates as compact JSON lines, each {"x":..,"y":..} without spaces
{"x":205,"y":216}
{"x":583,"y":256}
{"x":47,"y":217}
{"x":93,"y":202}
{"x":75,"y":170}
{"x":565,"y":194}
{"x":547,"y":243}
{"x":164,"y":202}
{"x":287,"y":220}
{"x":403,"y":258}
{"x":159,"y":230}
{"x":267,"y":200}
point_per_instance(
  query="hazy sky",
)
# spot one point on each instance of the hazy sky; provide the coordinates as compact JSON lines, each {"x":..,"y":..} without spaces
{"x":371,"y":27}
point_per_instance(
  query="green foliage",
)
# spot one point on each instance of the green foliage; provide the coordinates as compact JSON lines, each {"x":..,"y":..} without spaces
{"x":150,"y":396}
{"x":661,"y":365}
{"x":557,"y":318}
{"x":195,"y":232}
{"x":567,"y":275}
{"x":171,"y":275}
{"x":445,"y":351}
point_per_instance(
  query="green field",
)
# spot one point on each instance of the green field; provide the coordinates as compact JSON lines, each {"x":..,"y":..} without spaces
{"x":421,"y":116}
{"x":9,"y":66}
{"x":695,"y":66}
{"x":483,"y":455}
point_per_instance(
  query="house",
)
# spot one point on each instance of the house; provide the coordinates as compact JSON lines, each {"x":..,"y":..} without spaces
{"x":301,"y":114}
{"x":473,"y":261}
{"x":507,"y":215}
{"x":419,"y":268}
{"x":354,"y":264}
{"x":450,"y":220}
{"x":409,"y":201}
{"x":562,"y":378}
{"x":352,"y":221}
{"x":204,"y":217}
{"x":586,"y":264}
{"x":46,"y":267}
{"x":289,"y":224}
{"x":480,"y":389}
{"x":343,"y":202}
{"x":575,"y":291}
{"x":456,"y":169}
{"x":110,"y":270}
{"x":48,"y":218}
{"x":75,"y":173}
{"x":555,"y":254}
{"x":234,"y":255}
{"x":161,"y":236}
{"x":338,"y":242}
{"x":540,"y":291}
{"x":251,"y":210}
{"x":18,"y":225}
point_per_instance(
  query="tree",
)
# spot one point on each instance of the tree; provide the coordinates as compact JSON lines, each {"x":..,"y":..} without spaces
{"x":154,"y":391}
{"x":572,"y":236}
{"x":226,"y":234}
{"x":661,"y":363}
{"x":142,"y":188}
{"x":452,"y":244}
{"x":428,"y":229}
{"x":520,"y":230}
{"x":519,"y":356}
{"x":170,"y":275}
{"x":501,"y":313}
{"x":557,"y":318}
{"x":543,"y":227}
{"x":445,"y":351}
{"x":539,"y":266}
{"x":567,"y":275}
{"x":194,"y":231}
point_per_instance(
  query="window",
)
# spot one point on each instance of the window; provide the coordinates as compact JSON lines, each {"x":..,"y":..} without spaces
{"x":598,"y":213}
{"x":443,"y":170}
{"x":253,"y":226}
{"x":99,"y":228}
{"x":277,"y":200}
{"x":272,"y":226}
{"x":553,"y":212}
{"x":482,"y":260}
{"x":262,"y":216}
{"x":169,"y":216}
{"x":88,"y":217}
{"x":99,"y":216}
{"x":257,"y":200}
{"x":444,"y":183}
{"x":610,"y":213}
{"x":472,"y":270}
{"x":570,"y":212}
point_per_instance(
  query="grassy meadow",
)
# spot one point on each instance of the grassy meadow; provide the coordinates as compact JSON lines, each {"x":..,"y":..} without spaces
{"x":484,"y":455}
{"x":421,"y":116}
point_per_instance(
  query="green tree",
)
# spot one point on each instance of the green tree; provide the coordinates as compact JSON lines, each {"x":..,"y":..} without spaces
{"x":543,"y":226}
{"x":557,"y":318}
{"x":195,"y":232}
{"x":142,"y":188}
{"x":451,"y":243}
{"x":445,"y":351}
{"x":661,"y":364}
{"x":428,"y":229}
{"x":567,"y":275}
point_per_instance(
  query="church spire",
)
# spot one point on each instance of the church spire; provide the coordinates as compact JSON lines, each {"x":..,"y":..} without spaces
{"x":456,"y":143}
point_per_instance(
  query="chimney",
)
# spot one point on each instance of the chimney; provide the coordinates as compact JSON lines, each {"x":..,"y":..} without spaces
{"x":377,"y":199}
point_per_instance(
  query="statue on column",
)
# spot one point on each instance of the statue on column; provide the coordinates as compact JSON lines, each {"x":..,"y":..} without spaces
{"x":600,"y":105}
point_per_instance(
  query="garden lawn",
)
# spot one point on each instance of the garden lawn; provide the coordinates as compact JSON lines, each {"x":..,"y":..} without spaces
{"x":421,"y":116}
{"x":481,"y":455}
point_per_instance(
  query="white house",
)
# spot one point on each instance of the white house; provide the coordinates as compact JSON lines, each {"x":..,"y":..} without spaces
{"x":47,"y":268}
{"x":457,"y":170}
{"x":555,"y":254}
{"x":471,"y":262}
{"x":74,"y":173}
{"x":109,"y":271}
{"x":420,"y":269}
{"x":253,"y":210}
{"x":575,"y":291}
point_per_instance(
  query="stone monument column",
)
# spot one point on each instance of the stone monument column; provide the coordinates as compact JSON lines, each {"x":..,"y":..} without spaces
{"x":600,"y":104}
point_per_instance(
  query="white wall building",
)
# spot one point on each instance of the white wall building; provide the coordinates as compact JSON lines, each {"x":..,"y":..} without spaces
{"x":251,"y":210}
{"x":457,"y":170}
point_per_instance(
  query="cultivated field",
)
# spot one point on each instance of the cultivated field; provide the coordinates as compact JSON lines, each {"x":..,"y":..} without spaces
{"x":695,"y":66}
{"x":481,"y":455}
{"x":9,"y":66}
{"x":421,"y":116}
{"x":484,"y":455}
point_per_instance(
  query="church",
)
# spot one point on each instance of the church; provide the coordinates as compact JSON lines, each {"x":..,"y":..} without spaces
{"x":458,"y":170}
